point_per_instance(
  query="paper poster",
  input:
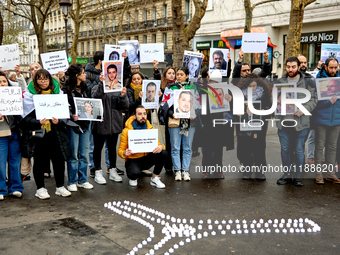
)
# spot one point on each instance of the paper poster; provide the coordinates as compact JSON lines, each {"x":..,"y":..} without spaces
{"x":329,"y":50}
{"x":48,"y":106}
{"x":113,"y":76}
{"x":219,"y":60}
{"x":150,"y":90}
{"x":251,"y":122}
{"x":254,"y":42}
{"x":11,"y":101}
{"x":113,"y":52}
{"x":151,"y":51}
{"x":89,"y":108}
{"x":132,"y":48}
{"x":184,"y":100}
{"x":222,"y":91}
{"x":192,"y":61}
{"x":9,"y":56}
{"x":55,"y":61}
{"x":327,"y":88}
{"x":290,"y":108}
{"x":142,"y":140}
{"x":313,"y":73}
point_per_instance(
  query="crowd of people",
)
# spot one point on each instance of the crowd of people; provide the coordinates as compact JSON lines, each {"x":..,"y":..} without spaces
{"x":78,"y":144}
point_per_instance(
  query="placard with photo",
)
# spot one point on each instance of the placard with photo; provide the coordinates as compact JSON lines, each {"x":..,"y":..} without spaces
{"x":113,"y":53}
{"x":184,"y":100}
{"x":327,"y":88}
{"x":113,"y":76}
{"x":150,"y":90}
{"x":219,"y":60}
{"x":132,"y":51}
{"x":222,"y":91}
{"x":89,"y":108}
{"x":192,"y":61}
{"x":252,"y":121}
{"x":290,"y":108}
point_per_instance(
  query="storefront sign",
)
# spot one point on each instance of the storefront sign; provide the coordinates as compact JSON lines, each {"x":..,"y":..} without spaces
{"x":239,"y":32}
{"x":317,"y":37}
{"x":203,"y":45}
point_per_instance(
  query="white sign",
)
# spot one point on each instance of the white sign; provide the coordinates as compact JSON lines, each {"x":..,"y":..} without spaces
{"x":313,"y":73}
{"x":9,"y":56}
{"x":11,"y":101}
{"x":89,"y":108}
{"x":329,"y":50}
{"x":184,"y":99}
{"x":48,"y":106}
{"x":151,"y":51}
{"x":132,"y":50}
{"x":55,"y":61}
{"x":113,"y":52}
{"x":254,"y":42}
{"x":145,"y":140}
{"x":150,"y":90}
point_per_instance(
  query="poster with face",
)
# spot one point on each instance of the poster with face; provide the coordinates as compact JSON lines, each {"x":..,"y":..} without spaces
{"x":192,"y":61}
{"x":150,"y":90}
{"x":219,"y":60}
{"x":183,"y":103}
{"x":327,"y":88}
{"x":132,"y":50}
{"x":329,"y":50}
{"x":113,"y":75}
{"x":290,"y":108}
{"x":249,"y":121}
{"x":113,"y":53}
{"x":217,"y":106}
{"x":89,"y":108}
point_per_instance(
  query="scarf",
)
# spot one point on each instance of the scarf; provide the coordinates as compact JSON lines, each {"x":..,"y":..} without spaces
{"x":257,"y":93}
{"x":135,"y":126}
{"x":137,"y":89}
{"x":47,"y":125}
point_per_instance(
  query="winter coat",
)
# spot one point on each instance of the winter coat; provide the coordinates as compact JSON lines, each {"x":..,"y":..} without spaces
{"x":92,"y":76}
{"x":323,"y":74}
{"x":124,"y":140}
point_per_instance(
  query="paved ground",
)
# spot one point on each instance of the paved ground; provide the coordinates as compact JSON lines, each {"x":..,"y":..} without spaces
{"x":81,"y":225}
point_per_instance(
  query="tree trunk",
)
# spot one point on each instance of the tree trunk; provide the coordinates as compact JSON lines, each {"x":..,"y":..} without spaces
{"x":295,"y":27}
{"x":247,"y":27}
{"x":74,"y":47}
{"x":178,"y":33}
{"x":1,"y":28}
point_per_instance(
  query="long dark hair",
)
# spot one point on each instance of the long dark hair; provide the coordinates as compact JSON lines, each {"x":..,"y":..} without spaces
{"x":71,"y":73}
{"x":184,"y":69}
{"x":164,"y":81}
{"x":3,"y":74}
{"x":128,"y":83}
{"x":244,"y":82}
{"x":42,"y":73}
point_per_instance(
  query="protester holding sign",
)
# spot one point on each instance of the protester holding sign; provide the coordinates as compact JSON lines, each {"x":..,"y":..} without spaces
{"x":9,"y":151}
{"x":136,"y":162}
{"x":49,"y":138}
{"x":79,"y":135}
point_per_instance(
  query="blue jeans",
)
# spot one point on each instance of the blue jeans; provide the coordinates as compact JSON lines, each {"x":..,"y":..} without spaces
{"x":77,"y":163}
{"x":176,"y":140}
{"x":10,"y":149}
{"x":91,"y":164}
{"x":292,"y":141}
{"x":311,"y":144}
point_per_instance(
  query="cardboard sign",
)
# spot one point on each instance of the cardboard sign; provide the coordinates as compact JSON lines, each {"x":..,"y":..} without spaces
{"x":11,"y":101}
{"x":54,"y":62}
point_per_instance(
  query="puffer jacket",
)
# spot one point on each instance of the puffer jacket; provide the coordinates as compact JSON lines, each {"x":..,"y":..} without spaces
{"x":323,"y":74}
{"x":328,"y":114}
{"x":124,"y":140}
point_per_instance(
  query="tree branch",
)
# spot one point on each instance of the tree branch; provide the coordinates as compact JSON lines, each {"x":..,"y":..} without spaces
{"x":307,"y":2}
{"x":265,"y":2}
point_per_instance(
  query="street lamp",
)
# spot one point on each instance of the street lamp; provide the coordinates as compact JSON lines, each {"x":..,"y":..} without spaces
{"x":65,"y":5}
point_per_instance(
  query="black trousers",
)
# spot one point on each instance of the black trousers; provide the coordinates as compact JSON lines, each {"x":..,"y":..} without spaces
{"x":98,"y":141}
{"x":135,"y":166}
{"x":168,"y":163}
{"x":47,"y":149}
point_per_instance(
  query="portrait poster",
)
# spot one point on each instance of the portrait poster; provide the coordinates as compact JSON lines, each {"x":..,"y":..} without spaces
{"x":251,"y":122}
{"x":140,"y":141}
{"x":113,"y":76}
{"x":329,"y":50}
{"x":89,"y":108}
{"x":51,"y":106}
{"x":113,"y":53}
{"x":132,"y":51}
{"x":290,"y":108}
{"x":192,"y":61}
{"x":327,"y":88}
{"x":222,"y":91}
{"x":219,"y":60}
{"x":150,"y":90}
{"x":184,"y":100}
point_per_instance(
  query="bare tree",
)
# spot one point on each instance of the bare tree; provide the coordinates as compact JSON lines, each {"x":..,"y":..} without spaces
{"x":36,"y":11}
{"x":183,"y":33}
{"x":295,"y":27}
{"x":1,"y":27}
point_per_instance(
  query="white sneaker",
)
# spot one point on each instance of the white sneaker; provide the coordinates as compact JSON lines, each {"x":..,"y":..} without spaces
{"x":2,"y":197}
{"x":85,"y":185}
{"x":114,"y":176}
{"x":72,"y":187}
{"x":17,"y":194}
{"x":157,"y":183}
{"x":133,"y":183}
{"x":186,"y":176}
{"x":42,"y":193}
{"x":99,"y":178}
{"x":178,"y":176}
{"x":62,"y":192}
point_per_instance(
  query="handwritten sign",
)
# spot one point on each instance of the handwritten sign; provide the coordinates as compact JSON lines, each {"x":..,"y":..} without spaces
{"x":11,"y":101}
{"x":151,"y":51}
{"x":54,"y":61}
{"x":113,"y":52}
{"x":142,"y":140}
{"x":330,"y":51}
{"x":254,"y":42}
{"x":9,"y":56}
{"x":48,"y":106}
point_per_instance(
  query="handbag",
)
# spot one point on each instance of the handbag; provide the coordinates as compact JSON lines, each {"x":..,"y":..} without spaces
{"x":160,"y":114}
{"x":172,"y":123}
{"x":36,"y":134}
